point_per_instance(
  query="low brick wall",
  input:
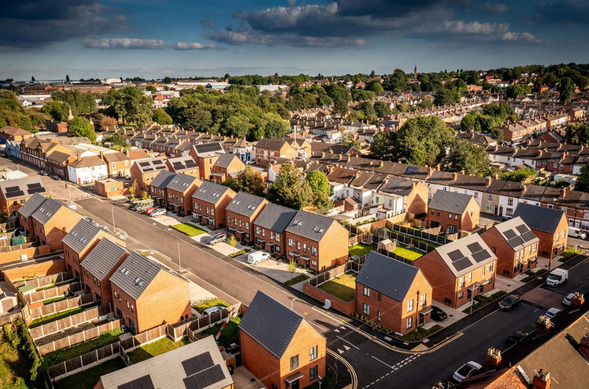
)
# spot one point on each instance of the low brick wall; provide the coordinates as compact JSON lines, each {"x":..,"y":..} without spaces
{"x":40,"y":282}
{"x":36,"y":270}
{"x":346,"y":307}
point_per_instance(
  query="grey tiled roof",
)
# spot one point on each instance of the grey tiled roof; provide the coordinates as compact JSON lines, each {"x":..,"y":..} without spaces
{"x":539,"y":218}
{"x":399,"y":186}
{"x":275,"y":217}
{"x":80,"y":236}
{"x":450,"y":201}
{"x":103,"y":257}
{"x":310,"y":225}
{"x":244,"y":204}
{"x":23,"y":187}
{"x":465,"y":255}
{"x":162,"y":179}
{"x":270,"y":323}
{"x":31,"y":205}
{"x":225,"y":160}
{"x":46,"y":210}
{"x":210,"y":192}
{"x":181,"y":182}
{"x":387,"y":276}
{"x":135,"y":274}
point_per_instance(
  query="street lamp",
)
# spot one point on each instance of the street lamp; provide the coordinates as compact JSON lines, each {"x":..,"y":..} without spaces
{"x":416,"y":315}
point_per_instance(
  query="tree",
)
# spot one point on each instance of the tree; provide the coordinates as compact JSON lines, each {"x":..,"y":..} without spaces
{"x":514,"y":91}
{"x":468,"y":157}
{"x":289,"y":189}
{"x":381,"y":109}
{"x":567,"y":89}
{"x":519,"y":175}
{"x":67,"y":78}
{"x":167,"y":80}
{"x":340,"y":107}
{"x":376,"y":87}
{"x":583,"y":179}
{"x":292,"y":268}
{"x":161,"y":117}
{"x":151,"y":88}
{"x":233,"y":241}
{"x":577,"y":134}
{"x":107,"y":122}
{"x":446,"y":97}
{"x":116,"y":140}
{"x":56,"y":109}
{"x":318,"y":182}
{"x":133,"y":189}
{"x":80,"y":127}
{"x":382,"y":146}
{"x":467,"y":123}
{"x":250,"y":181}
{"x":130,"y":105}
{"x":195,"y":119}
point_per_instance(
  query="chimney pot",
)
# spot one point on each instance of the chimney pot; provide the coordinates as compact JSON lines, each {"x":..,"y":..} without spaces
{"x":542,"y":380}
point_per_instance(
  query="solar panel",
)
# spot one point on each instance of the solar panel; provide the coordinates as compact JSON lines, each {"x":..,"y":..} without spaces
{"x":474,"y":247}
{"x":139,"y":383}
{"x":411,"y":169}
{"x":178,"y":165}
{"x":197,"y":363}
{"x":481,"y":256}
{"x":35,"y":185}
{"x":158,"y":162}
{"x":528,"y":236}
{"x":14,"y":191}
{"x":148,"y":169}
{"x":190,"y":164}
{"x":515,"y":241}
{"x":205,"y":378}
{"x":144,"y":164}
{"x":522,"y":229}
{"x":509,"y":234}
{"x":462,"y":264}
{"x":455,"y":255}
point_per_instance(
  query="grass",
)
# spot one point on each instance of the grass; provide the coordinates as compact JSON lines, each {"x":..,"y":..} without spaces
{"x":228,"y":335}
{"x":71,"y":352}
{"x":329,"y":381}
{"x":238,"y":253}
{"x":342,"y":287}
{"x":569,"y":253}
{"x":296,"y":280}
{"x":408,"y":253}
{"x":427,"y":242}
{"x":188,"y":229}
{"x":56,"y":316}
{"x":53,"y":300}
{"x":361,"y":249}
{"x":481,"y":301}
{"x":156,"y":348}
{"x":54,"y":285}
{"x":213,"y":302}
{"x":14,"y":367}
{"x":421,"y":333}
{"x":533,"y":274}
{"x":88,"y":378}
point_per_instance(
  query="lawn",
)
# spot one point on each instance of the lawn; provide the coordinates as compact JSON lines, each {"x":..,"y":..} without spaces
{"x":361,"y":249}
{"x":409,"y":253}
{"x":296,"y":280}
{"x":228,"y":335}
{"x":188,"y":229}
{"x":88,"y":378}
{"x":214,"y":302}
{"x":156,"y":348}
{"x":56,"y":316}
{"x":569,"y":253}
{"x":342,"y":287}
{"x":421,"y":333}
{"x":53,"y":300}
{"x":427,"y":242}
{"x":14,"y":367}
{"x":82,"y":348}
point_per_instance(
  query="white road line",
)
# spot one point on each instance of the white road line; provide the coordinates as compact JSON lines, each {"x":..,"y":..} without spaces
{"x":384,"y":363}
{"x":339,"y":337}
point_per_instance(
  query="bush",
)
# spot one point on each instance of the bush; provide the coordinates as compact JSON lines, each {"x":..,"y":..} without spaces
{"x":28,"y":347}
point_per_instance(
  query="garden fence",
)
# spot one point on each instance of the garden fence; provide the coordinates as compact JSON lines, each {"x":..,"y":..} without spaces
{"x":60,"y":306}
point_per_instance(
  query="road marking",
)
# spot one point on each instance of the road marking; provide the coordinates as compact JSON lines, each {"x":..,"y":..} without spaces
{"x":340,"y":351}
{"x":343,"y":327}
{"x":339,"y":337}
{"x":346,"y":347}
{"x":336,"y":330}
{"x":384,"y":363}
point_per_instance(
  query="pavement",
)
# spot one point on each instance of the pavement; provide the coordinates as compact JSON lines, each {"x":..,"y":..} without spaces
{"x":277,"y":270}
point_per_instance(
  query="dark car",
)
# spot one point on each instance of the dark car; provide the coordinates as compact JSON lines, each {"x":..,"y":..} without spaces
{"x":438,"y":314}
{"x":515,"y":338}
{"x":509,"y":302}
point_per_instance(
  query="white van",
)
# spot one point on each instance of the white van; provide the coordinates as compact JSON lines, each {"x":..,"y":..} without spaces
{"x":577,"y":233}
{"x":257,"y":257}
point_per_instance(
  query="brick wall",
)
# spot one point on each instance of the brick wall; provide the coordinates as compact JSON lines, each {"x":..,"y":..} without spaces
{"x":36,"y":270}
{"x":259,"y":361}
{"x":346,"y":307}
{"x":506,"y":262}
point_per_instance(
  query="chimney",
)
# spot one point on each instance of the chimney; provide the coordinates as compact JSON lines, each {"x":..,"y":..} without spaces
{"x":78,"y":157}
{"x":543,"y":326}
{"x":541,"y":380}
{"x":101,"y":155}
{"x":563,"y":192}
{"x":577,"y":301}
{"x":438,"y":167}
{"x":430,"y":171}
{"x":584,"y":346}
{"x":493,"y":357}
{"x":380,"y":163}
{"x":454,"y":176}
{"x":488,"y":181}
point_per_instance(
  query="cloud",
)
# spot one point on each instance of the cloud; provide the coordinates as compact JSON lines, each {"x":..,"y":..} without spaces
{"x":573,"y":11}
{"x":37,"y":23}
{"x":209,"y":22}
{"x":497,"y":8}
{"x":196,"y":46}
{"x":125,"y":43}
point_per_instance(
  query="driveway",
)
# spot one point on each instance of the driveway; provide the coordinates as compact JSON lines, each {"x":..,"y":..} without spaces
{"x":272,"y":268}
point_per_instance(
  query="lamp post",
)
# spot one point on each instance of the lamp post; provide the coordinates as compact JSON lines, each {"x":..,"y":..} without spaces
{"x":416,"y":315}
{"x":114,"y":226}
{"x":179,"y":260}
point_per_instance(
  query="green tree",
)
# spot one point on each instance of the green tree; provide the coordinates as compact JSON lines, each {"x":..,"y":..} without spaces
{"x":583,"y":179}
{"x":195,"y":119}
{"x":567,"y":89}
{"x":376,"y":87}
{"x":167,"y":80}
{"x":161,"y":117}
{"x":275,"y":127}
{"x":107,"y":122}
{"x":577,"y":134}
{"x":80,"y":127}
{"x":151,"y":88}
{"x":56,"y":109}
{"x":248,"y":180}
{"x":468,"y":157}
{"x":318,"y":182}
{"x":519,"y":175}
{"x":446,"y":97}
{"x":130,"y":105}
{"x":340,"y":107}
{"x":116,"y":140}
{"x":67,"y":78}
{"x":381,"y":109}
{"x":382,"y":146}
{"x":289,"y":188}
{"x":467,"y":123}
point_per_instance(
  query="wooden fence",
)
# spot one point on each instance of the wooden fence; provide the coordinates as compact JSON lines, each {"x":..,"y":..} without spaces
{"x":41,"y":282}
{"x":420,"y":234}
{"x":67,"y":322}
{"x":59,"y":306}
{"x":57,"y":291}
{"x":417,"y":244}
{"x":336,"y":271}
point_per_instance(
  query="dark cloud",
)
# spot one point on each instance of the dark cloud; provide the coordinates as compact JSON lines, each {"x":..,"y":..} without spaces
{"x":573,"y":11}
{"x":29,"y":23}
{"x":497,"y":8}
{"x":210,"y":23}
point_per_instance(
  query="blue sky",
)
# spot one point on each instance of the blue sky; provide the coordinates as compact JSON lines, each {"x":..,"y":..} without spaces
{"x":147,"y":38}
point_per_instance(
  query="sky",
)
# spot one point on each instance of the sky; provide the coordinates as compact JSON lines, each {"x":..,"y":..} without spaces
{"x":48,"y":39}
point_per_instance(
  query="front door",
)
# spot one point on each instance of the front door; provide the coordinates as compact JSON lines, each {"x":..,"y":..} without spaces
{"x":132,"y":326}
{"x":295,"y":384}
{"x":469,"y":294}
{"x":421,"y":318}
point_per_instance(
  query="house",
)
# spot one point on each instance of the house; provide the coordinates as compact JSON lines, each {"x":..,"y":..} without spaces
{"x":86,"y":170}
{"x":52,"y":221}
{"x":403,"y":195}
{"x":241,"y":213}
{"x":99,"y":264}
{"x":269,"y":150}
{"x":279,"y":347}
{"x":185,"y":165}
{"x":244,"y":150}
{"x":12,"y":137}
{"x":316,"y":242}
{"x":460,"y":270}
{"x":270,"y":226}
{"x":145,"y":295}
{"x":393,"y":294}
{"x":15,"y":193}
{"x":157,"y":187}
{"x":117,"y":164}
{"x":209,"y":202}
{"x":109,"y":188}
{"x":550,"y":226}
{"x":515,"y":246}
{"x":26,"y":211}
{"x":453,"y":212}
{"x":197,"y":365}
{"x":144,"y":171}
{"x":58,"y":160}
{"x":205,"y":156}
{"x":227,"y":166}
{"x":179,"y":193}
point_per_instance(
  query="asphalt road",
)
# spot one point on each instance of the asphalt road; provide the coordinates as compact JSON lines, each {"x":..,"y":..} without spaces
{"x":578,"y":280}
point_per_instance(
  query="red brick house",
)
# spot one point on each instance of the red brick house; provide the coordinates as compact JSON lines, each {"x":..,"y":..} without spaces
{"x":15,"y":193}
{"x":316,"y":242}
{"x":179,"y":192}
{"x":209,"y":202}
{"x":183,"y":164}
{"x":57,"y":160}
{"x":99,"y":264}
{"x":157,"y":187}
{"x":144,"y":171}
{"x":460,"y":270}
{"x":550,"y":226}
{"x":52,"y":221}
{"x":393,"y":293}
{"x":241,"y":213}
{"x":117,"y":164}
{"x":515,"y":246}
{"x":227,"y":166}
{"x":269,"y":150}
{"x":146,"y":295}
{"x":454,"y":212}
{"x":205,"y":156}
{"x":270,"y":227}
{"x":26,"y":211}
{"x":279,"y":347}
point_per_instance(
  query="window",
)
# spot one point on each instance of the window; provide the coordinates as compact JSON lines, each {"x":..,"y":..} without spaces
{"x":298,"y":245}
{"x":409,"y":322}
{"x":289,"y":242}
{"x":509,"y":212}
{"x":490,"y":268}
{"x":517,"y":256}
{"x":422,"y":299}
{"x":461,"y":282}
{"x":378,"y":297}
{"x":409,"y":305}
{"x":313,"y":353}
{"x":437,"y":213}
{"x":484,"y":270}
{"x":271,"y":235}
{"x":433,"y":212}
{"x":378,"y":315}
{"x":365,"y":309}
{"x":449,"y":216}
{"x":314,"y":250}
{"x":469,"y":278}
{"x":257,"y":230}
{"x":277,"y":238}
{"x":534,"y":246}
{"x":460,"y":295}
{"x":247,"y":225}
{"x":313,"y":373}
{"x":488,"y":206}
{"x":294,"y":362}
{"x":304,"y":247}
{"x":510,"y":201}
{"x":366,"y":292}
{"x":455,"y":217}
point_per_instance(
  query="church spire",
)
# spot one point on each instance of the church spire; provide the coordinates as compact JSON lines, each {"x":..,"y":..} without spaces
{"x":415,"y":72}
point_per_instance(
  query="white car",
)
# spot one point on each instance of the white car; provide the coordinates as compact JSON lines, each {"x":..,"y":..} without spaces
{"x":552,"y":312}
{"x":566,"y":301}
{"x":158,"y":212}
{"x":257,"y":257}
{"x":466,"y":370}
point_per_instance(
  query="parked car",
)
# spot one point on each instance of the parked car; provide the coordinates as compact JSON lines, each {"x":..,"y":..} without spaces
{"x":141,"y":209}
{"x":509,"y":302}
{"x":158,"y":212}
{"x":516,"y":338}
{"x":211,"y":310}
{"x":438,"y":314}
{"x":577,"y":233}
{"x":466,"y":370}
{"x":150,"y":210}
{"x":566,"y":301}
{"x":257,"y":257}
{"x":552,"y":313}
{"x":213,"y":240}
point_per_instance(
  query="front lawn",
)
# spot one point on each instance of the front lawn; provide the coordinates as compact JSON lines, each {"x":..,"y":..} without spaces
{"x":408,"y":253}
{"x":14,"y":367}
{"x":88,"y":378}
{"x":361,"y":249}
{"x":156,"y":348}
{"x":229,"y":334}
{"x":342,"y":287}
{"x":569,"y":253}
{"x":56,"y":316}
{"x":71,"y":352}
{"x":188,"y":229}
{"x":296,"y":280}
{"x":421,"y":333}
{"x":213,"y":302}
{"x":533,"y":274}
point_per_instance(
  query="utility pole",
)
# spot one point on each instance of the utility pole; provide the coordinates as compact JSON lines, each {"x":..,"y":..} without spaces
{"x":416,"y":315}
{"x":179,"y":260}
